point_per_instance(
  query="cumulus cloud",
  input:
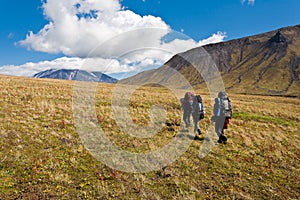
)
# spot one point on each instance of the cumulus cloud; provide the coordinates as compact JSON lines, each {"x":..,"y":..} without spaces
{"x":102,"y":36}
{"x":78,"y":26}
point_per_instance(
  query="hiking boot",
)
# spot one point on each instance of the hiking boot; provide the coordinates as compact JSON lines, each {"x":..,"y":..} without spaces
{"x":199,"y":132}
{"x":196,"y":137}
{"x":222,"y":139}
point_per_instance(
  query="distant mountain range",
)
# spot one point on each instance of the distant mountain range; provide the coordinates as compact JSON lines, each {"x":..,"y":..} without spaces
{"x":75,"y":74}
{"x":267,"y":64}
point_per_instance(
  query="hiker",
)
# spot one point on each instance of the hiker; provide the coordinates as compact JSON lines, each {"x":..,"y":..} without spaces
{"x":222,"y":115}
{"x":187,"y":106}
{"x":198,"y":113}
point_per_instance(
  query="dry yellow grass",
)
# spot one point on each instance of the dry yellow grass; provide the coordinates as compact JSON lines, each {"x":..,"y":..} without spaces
{"x":42,"y":156}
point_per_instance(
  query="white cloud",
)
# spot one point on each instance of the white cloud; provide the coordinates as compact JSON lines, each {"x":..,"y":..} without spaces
{"x":131,"y":61}
{"x":250,"y":2}
{"x":134,"y":61}
{"x":78,"y":26}
{"x":215,"y":38}
{"x":30,"y":68}
{"x":90,"y":64}
{"x":101,"y":36}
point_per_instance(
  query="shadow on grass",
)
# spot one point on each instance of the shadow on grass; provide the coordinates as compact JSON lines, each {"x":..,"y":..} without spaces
{"x":189,"y":135}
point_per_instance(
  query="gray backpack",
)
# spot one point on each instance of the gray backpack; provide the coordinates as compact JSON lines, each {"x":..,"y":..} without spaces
{"x":226,"y":106}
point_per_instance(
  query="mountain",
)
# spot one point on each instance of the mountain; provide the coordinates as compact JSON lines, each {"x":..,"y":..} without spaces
{"x":267,"y":64}
{"x":75,"y":74}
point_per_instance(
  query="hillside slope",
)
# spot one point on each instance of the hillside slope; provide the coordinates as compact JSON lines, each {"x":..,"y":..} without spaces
{"x":42,"y":156}
{"x":267,"y":63}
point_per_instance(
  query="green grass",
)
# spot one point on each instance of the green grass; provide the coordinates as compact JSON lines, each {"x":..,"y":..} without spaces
{"x":262,"y":118}
{"x":42,"y":156}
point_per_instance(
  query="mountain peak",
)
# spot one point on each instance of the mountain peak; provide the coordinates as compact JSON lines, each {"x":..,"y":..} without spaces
{"x":75,"y":74}
{"x":278,"y":38}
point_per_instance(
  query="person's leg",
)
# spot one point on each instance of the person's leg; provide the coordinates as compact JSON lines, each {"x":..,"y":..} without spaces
{"x":219,"y":127}
{"x":186,"y":118}
{"x":189,"y":113}
{"x":224,"y":139}
{"x":225,"y":125}
{"x":196,"y":124}
{"x":220,"y":131}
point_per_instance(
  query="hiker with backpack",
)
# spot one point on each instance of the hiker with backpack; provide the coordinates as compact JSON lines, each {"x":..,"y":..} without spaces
{"x":187,"y":106}
{"x":198,"y":113}
{"x":222,"y":115}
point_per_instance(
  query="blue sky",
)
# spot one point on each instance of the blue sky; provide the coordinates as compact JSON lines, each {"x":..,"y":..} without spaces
{"x":201,"y":18}
{"x":203,"y":21}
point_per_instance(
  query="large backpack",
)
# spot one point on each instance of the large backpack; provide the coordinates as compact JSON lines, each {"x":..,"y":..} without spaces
{"x":225,"y":107}
{"x":198,"y":107}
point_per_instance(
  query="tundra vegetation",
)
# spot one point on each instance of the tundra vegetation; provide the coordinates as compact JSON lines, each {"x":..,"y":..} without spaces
{"x":42,"y":156}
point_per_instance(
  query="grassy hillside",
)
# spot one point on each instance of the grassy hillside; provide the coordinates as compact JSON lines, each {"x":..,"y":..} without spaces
{"x":42,"y":156}
{"x":264,"y":64}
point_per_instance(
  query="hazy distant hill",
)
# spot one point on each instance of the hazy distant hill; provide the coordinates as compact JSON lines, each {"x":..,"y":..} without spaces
{"x":75,"y":74}
{"x":267,"y":63}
